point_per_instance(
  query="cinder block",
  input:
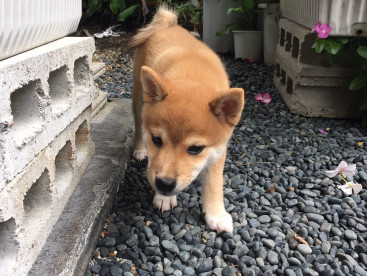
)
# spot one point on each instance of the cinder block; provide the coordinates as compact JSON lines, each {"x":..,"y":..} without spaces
{"x":310,"y":84}
{"x":315,"y":97}
{"x":295,"y":42}
{"x":73,"y":239}
{"x":42,"y":91}
{"x":32,"y":202}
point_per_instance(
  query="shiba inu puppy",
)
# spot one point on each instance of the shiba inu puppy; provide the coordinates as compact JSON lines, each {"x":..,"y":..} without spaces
{"x":184,"y":113}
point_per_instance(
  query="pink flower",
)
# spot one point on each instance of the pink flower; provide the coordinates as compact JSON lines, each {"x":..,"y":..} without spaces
{"x":343,"y":169}
{"x":264,"y":98}
{"x":248,"y":60}
{"x":323,"y":131}
{"x":316,"y":26}
{"x":350,"y":188}
{"x":323,"y":30}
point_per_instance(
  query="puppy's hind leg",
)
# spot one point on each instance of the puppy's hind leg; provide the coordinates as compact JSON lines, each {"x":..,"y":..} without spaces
{"x":140,"y":151}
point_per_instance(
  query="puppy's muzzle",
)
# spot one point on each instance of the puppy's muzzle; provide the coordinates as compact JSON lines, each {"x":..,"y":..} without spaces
{"x":165,"y":185}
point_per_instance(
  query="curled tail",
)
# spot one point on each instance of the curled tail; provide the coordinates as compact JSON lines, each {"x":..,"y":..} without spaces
{"x":163,"y":19}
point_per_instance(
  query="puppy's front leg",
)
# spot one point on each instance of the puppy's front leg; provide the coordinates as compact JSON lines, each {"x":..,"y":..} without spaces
{"x":212,"y":196}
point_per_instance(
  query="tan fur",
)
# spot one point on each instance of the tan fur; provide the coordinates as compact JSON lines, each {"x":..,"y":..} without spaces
{"x":187,"y":102}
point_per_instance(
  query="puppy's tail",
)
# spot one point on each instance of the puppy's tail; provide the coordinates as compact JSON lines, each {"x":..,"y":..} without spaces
{"x":163,"y":19}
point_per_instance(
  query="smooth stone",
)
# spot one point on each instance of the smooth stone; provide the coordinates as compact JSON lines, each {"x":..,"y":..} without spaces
{"x":170,"y":246}
{"x":304,"y":249}
{"x":228,"y":271}
{"x":325,"y":247}
{"x":350,"y":235}
{"x":273,"y":257}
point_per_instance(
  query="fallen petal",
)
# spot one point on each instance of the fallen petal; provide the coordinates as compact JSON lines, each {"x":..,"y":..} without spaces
{"x":342,"y":165}
{"x":332,"y":173}
{"x":266,"y":100}
{"x":349,"y":171}
{"x":258,"y":97}
{"x":357,"y":188}
{"x":346,"y":189}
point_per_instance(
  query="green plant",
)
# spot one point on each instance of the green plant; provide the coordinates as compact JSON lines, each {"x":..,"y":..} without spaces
{"x":117,"y":7}
{"x":245,"y":16}
{"x":188,"y":13}
{"x":90,"y":7}
{"x":355,"y":47}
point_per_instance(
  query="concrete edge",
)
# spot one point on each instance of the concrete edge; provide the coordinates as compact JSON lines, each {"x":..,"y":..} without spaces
{"x":98,"y":69}
{"x":99,"y":103}
{"x":68,"y":248}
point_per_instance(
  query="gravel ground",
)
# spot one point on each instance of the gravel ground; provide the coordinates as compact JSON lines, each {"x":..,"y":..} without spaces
{"x":275,"y":187}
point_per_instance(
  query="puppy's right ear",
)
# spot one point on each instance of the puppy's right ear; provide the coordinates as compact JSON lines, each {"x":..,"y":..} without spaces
{"x":154,"y":86}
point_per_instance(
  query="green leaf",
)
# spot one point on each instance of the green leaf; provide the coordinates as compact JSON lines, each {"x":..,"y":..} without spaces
{"x":239,"y":9}
{"x":114,"y":6}
{"x":319,"y":46}
{"x":248,"y":4}
{"x":126,"y":13}
{"x":229,"y":28}
{"x":332,"y":46}
{"x":122,"y":5}
{"x":362,"y":51}
{"x":92,"y":8}
{"x":363,"y":106}
{"x":359,"y":82}
{"x":342,"y":40}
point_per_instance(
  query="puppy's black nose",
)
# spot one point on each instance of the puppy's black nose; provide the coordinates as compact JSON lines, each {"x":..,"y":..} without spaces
{"x":165,"y":185}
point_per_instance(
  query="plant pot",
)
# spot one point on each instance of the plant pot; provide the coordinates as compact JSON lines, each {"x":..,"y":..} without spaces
{"x":248,"y":44}
{"x":29,"y":24}
{"x":215,"y":18}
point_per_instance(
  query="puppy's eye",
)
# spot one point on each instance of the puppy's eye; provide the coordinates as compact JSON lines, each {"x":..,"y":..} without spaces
{"x":157,"y":141}
{"x":195,"y":150}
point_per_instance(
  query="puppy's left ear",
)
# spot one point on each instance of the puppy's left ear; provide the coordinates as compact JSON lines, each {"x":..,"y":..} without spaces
{"x":228,"y":106}
{"x":154,"y":85}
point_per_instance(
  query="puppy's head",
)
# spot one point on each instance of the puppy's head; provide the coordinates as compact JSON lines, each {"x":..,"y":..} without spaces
{"x":187,"y":128}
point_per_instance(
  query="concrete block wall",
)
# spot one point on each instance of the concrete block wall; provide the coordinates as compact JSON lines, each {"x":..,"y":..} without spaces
{"x":310,"y":84}
{"x":295,"y":44}
{"x":46,"y":100}
{"x":49,"y":87}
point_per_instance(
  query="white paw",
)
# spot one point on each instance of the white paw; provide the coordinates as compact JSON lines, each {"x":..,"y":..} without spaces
{"x":140,"y":155}
{"x":164,"y":203}
{"x":220,"y":222}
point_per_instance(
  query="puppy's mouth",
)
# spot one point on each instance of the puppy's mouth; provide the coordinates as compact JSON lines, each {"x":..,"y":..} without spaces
{"x":168,"y":193}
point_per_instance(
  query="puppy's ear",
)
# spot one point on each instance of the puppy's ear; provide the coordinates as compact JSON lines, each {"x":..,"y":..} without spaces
{"x":154,"y":86}
{"x":228,"y":106}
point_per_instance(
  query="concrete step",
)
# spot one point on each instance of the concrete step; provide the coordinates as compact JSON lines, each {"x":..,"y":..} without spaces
{"x":68,"y":249}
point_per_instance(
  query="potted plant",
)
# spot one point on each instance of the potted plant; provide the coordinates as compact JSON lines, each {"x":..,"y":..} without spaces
{"x":246,"y":29}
